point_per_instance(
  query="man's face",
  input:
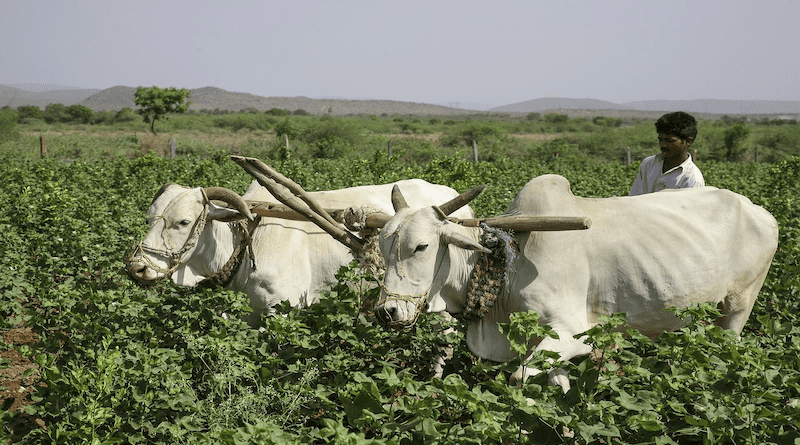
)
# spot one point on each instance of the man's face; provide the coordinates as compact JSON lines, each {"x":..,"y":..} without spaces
{"x":673,"y":146}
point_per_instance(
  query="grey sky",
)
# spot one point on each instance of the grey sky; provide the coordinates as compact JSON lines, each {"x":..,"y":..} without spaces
{"x":492,"y":52}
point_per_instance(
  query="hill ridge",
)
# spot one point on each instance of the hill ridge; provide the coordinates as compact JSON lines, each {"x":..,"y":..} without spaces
{"x":211,"y":98}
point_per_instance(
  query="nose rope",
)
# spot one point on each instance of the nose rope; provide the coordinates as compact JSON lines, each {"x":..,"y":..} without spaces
{"x":174,"y":257}
{"x":420,"y":301}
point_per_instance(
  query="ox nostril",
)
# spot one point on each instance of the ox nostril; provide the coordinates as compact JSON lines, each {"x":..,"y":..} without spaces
{"x":385,"y":313}
{"x":137,"y":270}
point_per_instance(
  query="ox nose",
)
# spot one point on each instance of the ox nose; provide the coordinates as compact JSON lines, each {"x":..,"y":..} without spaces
{"x":137,"y":270}
{"x":386,"y":313}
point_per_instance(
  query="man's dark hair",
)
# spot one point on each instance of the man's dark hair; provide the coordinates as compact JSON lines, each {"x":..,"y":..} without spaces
{"x":677,"y":123}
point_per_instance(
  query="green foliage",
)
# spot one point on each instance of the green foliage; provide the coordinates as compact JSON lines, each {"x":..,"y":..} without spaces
{"x":123,"y":364}
{"x":155,"y":103}
{"x":556,"y":118}
{"x":80,"y":114}
{"x":29,"y":112}
{"x":8,"y":125}
{"x":55,"y":113}
{"x":125,"y":115}
{"x":734,"y":136}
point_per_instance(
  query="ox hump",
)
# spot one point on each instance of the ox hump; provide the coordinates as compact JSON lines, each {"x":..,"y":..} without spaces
{"x":541,"y":194}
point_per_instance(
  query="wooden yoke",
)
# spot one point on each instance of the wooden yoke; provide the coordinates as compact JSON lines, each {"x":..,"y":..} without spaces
{"x":284,"y":190}
{"x":298,"y":205}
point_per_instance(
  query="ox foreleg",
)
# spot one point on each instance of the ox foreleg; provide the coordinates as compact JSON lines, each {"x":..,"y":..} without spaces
{"x":567,"y":347}
{"x":445,"y":350}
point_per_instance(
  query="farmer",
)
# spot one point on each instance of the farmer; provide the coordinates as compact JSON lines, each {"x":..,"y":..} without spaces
{"x":673,"y":167}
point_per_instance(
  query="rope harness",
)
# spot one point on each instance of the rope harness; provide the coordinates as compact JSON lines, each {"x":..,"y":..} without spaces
{"x":487,"y":280}
{"x":420,"y":301}
{"x":224,"y":276}
{"x":175,"y":258}
{"x":490,"y":274}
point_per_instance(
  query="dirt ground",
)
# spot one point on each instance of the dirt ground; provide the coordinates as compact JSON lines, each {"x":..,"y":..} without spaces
{"x":15,"y":387}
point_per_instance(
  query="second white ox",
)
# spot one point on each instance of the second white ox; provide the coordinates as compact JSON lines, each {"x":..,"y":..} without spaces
{"x":641,"y":255}
{"x":191,"y":238}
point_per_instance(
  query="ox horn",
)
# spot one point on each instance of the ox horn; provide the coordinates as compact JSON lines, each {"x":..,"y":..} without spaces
{"x":461,"y":200}
{"x":230,"y":197}
{"x":398,"y":201}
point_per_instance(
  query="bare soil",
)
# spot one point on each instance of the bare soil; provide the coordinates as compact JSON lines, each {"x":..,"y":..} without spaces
{"x":20,"y":378}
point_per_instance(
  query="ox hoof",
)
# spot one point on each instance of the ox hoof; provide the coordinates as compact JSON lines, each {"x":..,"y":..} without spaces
{"x":521,"y":374}
{"x":559,"y":377}
{"x":556,"y":377}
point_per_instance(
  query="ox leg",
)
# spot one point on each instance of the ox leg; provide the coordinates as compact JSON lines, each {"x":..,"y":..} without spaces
{"x":445,"y":350}
{"x":567,"y":347}
{"x":736,"y":306}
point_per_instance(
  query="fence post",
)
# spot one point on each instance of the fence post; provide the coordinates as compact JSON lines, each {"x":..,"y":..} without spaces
{"x":474,"y":151}
{"x":172,"y":148}
{"x":42,"y":147}
{"x":628,"y":150}
{"x":389,"y":149}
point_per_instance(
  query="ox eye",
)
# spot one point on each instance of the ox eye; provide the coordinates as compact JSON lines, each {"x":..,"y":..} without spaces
{"x":185,"y":222}
{"x":421,"y":248}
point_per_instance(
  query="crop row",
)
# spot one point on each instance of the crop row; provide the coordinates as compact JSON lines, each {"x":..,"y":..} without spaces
{"x":122,"y":364}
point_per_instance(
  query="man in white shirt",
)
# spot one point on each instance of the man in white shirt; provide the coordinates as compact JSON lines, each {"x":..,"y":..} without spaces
{"x":673,"y":167}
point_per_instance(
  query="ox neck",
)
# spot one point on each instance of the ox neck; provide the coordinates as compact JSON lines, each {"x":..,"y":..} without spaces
{"x":458,"y":265}
{"x":217,"y":244}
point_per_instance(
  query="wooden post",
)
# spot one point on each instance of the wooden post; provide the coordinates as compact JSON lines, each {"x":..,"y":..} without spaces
{"x":756,"y":154}
{"x":389,"y":149}
{"x":628,"y":150}
{"x":286,"y":142}
{"x":172,"y":148}
{"x":42,"y":147}
{"x":474,"y":151}
{"x":694,"y":155}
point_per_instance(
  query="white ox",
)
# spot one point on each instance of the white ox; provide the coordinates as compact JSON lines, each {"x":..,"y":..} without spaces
{"x":192,"y":238}
{"x":641,"y":255}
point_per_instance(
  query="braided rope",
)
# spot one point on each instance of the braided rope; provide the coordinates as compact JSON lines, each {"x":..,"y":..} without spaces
{"x":490,"y":274}
{"x":174,"y":257}
{"x":225,"y":274}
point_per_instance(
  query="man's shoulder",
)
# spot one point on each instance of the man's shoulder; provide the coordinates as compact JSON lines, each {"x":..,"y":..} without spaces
{"x":652,"y":160}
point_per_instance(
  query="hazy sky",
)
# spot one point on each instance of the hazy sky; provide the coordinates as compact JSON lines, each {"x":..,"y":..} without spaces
{"x":493,"y":52}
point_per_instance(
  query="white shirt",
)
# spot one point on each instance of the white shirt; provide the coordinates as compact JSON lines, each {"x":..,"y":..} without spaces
{"x":650,"y":178}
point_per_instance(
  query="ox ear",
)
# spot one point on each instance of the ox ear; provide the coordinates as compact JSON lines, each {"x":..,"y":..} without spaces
{"x":464,"y":242}
{"x":223,"y":214}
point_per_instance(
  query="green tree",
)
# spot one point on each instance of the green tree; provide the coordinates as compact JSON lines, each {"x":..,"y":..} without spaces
{"x":80,"y":113}
{"x":155,"y":103}
{"x":734,"y":137}
{"x":124,"y":115}
{"x":8,"y":124}
{"x":29,"y":111}
{"x":55,"y":113}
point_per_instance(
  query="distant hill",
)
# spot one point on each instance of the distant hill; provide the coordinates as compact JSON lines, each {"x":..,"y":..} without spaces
{"x":656,"y":107}
{"x":40,"y":95}
{"x":210,"y":98}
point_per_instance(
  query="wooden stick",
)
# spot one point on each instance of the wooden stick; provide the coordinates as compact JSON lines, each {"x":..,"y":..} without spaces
{"x":293,"y":187}
{"x":523,"y":223}
{"x":379,"y":219}
{"x":285,"y":196}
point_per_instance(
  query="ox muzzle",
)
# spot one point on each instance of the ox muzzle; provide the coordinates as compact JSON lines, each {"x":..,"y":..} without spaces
{"x":399,"y":311}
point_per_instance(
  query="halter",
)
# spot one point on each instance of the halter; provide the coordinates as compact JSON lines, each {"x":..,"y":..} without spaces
{"x":420,"y":300}
{"x":176,"y":257}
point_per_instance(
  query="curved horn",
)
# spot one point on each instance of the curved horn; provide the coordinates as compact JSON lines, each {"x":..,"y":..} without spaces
{"x":398,"y":201}
{"x":230,"y":197}
{"x":461,"y":200}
